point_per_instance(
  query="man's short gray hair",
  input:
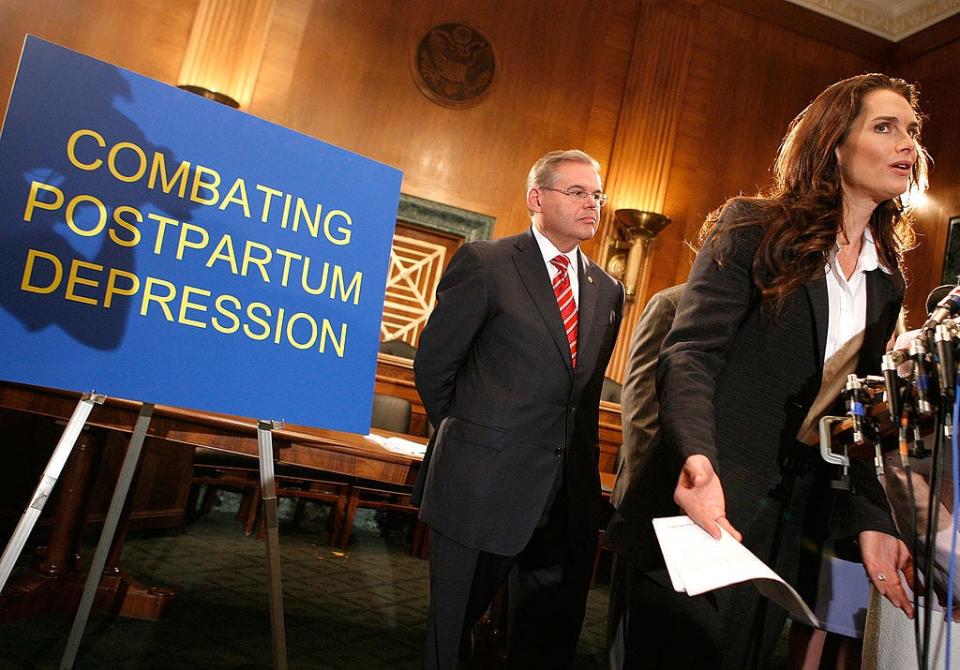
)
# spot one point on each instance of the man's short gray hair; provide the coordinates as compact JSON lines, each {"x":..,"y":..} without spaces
{"x":541,"y":174}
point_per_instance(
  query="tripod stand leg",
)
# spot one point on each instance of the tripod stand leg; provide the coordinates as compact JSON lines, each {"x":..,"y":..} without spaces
{"x":47,"y":481}
{"x":106,"y":536}
{"x":269,"y":491}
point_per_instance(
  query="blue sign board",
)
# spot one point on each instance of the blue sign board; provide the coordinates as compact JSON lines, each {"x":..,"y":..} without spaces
{"x":161,"y":247}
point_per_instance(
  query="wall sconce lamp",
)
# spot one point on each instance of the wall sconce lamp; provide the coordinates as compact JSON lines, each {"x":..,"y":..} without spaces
{"x":225,"y":49}
{"x":626,"y":250}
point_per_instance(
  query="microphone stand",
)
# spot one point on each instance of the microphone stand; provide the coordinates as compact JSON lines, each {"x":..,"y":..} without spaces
{"x":946,"y":373}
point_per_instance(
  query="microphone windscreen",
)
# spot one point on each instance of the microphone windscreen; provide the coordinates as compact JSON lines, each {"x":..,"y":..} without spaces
{"x":938,"y":294}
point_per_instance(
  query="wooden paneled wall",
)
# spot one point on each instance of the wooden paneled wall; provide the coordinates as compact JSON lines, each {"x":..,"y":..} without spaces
{"x":146,"y":36}
{"x":645,"y":143}
{"x":722,"y":100}
{"x":938,"y":74}
{"x":342,"y":71}
{"x":684,"y":102}
{"x":748,"y":78}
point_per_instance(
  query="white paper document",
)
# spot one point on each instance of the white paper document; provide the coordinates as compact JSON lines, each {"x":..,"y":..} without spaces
{"x":697,"y":563}
{"x":399,"y":445}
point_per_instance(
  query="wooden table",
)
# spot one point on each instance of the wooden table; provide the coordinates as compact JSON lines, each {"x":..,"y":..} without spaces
{"x":345,"y":453}
{"x":55,"y":584}
{"x":395,"y":377}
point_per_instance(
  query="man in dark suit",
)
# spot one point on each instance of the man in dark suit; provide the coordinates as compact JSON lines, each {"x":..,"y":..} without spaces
{"x":640,"y":412}
{"x":509,"y":368}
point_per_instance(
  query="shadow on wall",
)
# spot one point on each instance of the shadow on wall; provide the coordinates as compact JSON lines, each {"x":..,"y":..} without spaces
{"x":46,"y":254}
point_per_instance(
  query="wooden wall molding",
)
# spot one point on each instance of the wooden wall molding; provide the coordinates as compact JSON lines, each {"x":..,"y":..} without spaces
{"x":890,"y":20}
{"x":817,"y":26}
{"x":930,"y":39}
{"x":445,"y":218}
{"x":226,"y":47}
{"x":643,"y":146}
{"x":426,"y":236}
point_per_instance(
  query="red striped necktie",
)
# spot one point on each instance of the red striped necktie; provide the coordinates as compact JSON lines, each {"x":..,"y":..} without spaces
{"x":568,"y":306}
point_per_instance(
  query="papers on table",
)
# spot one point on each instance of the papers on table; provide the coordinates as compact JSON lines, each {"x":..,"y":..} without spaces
{"x":697,"y":563}
{"x":398,"y":445}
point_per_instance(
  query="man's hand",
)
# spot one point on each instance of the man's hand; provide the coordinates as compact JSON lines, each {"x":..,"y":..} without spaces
{"x":700,"y":496}
{"x":885,"y":557}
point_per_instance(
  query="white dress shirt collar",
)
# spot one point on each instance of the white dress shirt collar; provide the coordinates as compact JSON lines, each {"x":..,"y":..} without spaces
{"x":848,"y":297}
{"x":549,"y":251}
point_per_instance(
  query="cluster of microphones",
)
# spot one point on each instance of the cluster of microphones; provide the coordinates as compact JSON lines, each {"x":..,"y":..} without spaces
{"x":932,"y":354}
{"x":928,"y":397}
{"x":921,"y":388}
{"x":919,"y":385}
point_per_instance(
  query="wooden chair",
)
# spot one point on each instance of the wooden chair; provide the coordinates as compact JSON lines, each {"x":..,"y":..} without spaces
{"x":222,"y":470}
{"x":398,"y":348}
{"x":388,"y":501}
{"x":611,"y":390}
{"x":393,"y":414}
{"x":307,"y":484}
{"x":215,"y":470}
{"x":390,"y":413}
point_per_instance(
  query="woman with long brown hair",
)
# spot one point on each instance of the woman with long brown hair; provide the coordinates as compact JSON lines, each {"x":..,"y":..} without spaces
{"x":790,"y":291}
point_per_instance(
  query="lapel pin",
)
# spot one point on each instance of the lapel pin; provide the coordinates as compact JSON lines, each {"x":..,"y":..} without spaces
{"x":589,"y":279}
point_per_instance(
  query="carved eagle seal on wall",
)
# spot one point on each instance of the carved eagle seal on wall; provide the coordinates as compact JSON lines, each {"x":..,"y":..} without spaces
{"x":455,"y":65}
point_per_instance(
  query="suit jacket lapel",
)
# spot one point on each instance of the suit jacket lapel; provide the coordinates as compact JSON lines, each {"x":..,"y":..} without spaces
{"x":820,"y":307}
{"x":590,"y":335}
{"x":880,"y":293}
{"x":533,"y":273}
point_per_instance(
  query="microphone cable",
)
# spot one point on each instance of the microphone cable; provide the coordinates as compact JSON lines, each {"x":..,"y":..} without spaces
{"x":915,"y":535}
{"x":955,"y":472}
{"x":944,"y":422}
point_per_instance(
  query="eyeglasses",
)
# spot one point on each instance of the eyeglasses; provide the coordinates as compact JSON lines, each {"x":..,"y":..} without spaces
{"x":599,"y":198}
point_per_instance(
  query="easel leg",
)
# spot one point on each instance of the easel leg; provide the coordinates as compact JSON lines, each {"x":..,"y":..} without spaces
{"x":106,"y":536}
{"x":270,"y":516}
{"x":47,"y":481}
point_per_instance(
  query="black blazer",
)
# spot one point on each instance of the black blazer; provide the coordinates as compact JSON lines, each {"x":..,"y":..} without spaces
{"x":639,"y":408}
{"x":735,"y":384}
{"x":493,"y":370}
{"x":640,"y":413}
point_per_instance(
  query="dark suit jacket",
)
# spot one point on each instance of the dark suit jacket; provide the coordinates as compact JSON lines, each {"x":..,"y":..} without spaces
{"x":735,"y":384}
{"x":640,"y":412}
{"x":639,"y":408}
{"x":493,"y":370}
